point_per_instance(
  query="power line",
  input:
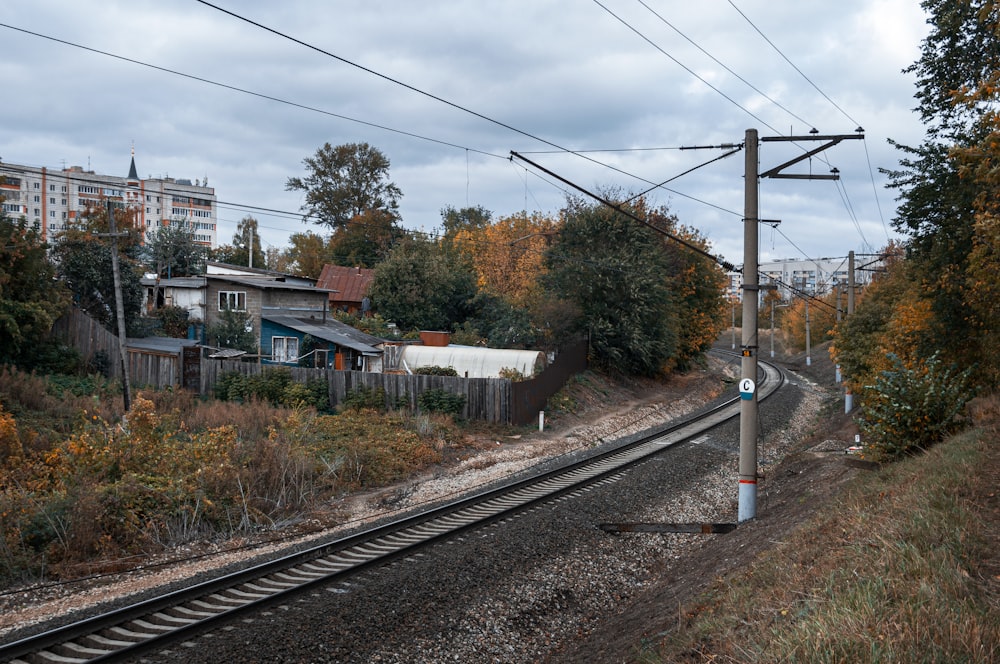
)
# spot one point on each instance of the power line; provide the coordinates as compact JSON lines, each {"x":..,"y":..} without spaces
{"x":617,"y":208}
{"x":560,"y":149}
{"x":417,"y":90}
{"x":245,"y":91}
{"x":721,"y":64}
{"x":801,"y":73}
{"x":681,"y":65}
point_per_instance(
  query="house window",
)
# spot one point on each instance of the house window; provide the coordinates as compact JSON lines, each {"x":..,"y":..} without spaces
{"x":284,"y":349}
{"x":322,"y":358}
{"x":234,"y":300}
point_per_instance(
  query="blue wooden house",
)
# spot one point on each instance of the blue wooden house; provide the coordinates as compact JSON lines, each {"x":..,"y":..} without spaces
{"x":336,"y":345}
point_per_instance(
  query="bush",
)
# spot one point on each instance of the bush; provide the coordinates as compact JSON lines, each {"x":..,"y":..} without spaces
{"x":435,"y":371}
{"x":441,"y":401}
{"x":513,"y":374}
{"x":274,"y":386}
{"x":910,"y":409}
{"x":366,"y":398}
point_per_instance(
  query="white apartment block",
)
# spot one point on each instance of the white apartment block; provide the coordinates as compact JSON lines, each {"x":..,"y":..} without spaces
{"x":794,"y":276}
{"x":54,"y":198}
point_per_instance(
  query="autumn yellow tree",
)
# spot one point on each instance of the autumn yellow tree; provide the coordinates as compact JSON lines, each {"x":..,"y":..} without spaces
{"x":508,"y":255}
{"x":979,"y":163}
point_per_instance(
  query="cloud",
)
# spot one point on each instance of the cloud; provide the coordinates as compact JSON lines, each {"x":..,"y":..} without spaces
{"x":574,"y":76}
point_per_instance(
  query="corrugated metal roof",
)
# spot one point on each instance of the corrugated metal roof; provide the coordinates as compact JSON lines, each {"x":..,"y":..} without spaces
{"x":264,"y":284}
{"x":351,"y":283}
{"x":160,"y":344}
{"x":331,"y":330}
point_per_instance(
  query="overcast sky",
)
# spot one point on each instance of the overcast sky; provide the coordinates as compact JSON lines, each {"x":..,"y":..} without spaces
{"x":470,"y":82}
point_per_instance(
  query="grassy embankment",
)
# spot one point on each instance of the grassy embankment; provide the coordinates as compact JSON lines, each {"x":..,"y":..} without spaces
{"x":903,"y":568}
{"x":82,"y":489}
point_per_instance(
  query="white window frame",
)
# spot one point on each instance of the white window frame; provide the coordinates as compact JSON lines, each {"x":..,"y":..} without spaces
{"x":285,"y":349}
{"x":233,"y":300}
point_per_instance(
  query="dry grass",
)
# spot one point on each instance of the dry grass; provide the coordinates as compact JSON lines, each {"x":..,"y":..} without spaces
{"x":902,"y":570}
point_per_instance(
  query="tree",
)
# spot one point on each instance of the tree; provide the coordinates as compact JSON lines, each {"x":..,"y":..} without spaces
{"x":508,"y":255}
{"x":83,"y":261}
{"x":345,"y":182}
{"x":171,"y":250}
{"x":696,"y":283}
{"x":365,"y":241}
{"x":943,"y":193}
{"x":246,"y":244}
{"x":469,"y":220}
{"x":613,"y":269}
{"x":420,"y":288}
{"x":307,"y":254}
{"x":234,"y":330}
{"x":30,"y":297}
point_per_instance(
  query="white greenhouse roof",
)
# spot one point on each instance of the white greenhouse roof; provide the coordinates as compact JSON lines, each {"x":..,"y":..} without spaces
{"x":474,"y":362}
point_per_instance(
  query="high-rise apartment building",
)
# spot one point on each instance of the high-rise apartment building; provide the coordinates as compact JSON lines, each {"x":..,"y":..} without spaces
{"x":54,"y":198}
{"x":797,"y":276}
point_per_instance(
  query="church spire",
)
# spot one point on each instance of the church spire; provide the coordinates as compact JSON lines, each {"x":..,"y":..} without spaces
{"x":133,"y":175}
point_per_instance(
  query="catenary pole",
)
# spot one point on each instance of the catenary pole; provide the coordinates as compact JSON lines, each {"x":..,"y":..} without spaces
{"x":848,"y":396}
{"x":747,"y":503}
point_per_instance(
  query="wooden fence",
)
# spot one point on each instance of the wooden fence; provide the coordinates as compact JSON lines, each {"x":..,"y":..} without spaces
{"x":89,"y":338}
{"x":172,"y":365}
{"x":497,"y":400}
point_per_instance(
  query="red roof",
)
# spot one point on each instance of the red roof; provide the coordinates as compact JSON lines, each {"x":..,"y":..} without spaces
{"x":351,"y":283}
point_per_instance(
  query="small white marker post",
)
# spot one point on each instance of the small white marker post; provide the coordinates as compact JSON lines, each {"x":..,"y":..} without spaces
{"x":541,"y":420}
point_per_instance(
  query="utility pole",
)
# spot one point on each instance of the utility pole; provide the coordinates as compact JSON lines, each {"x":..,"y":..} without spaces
{"x":837,"y":286}
{"x":809,"y":359}
{"x":848,"y":396}
{"x":747,"y":505}
{"x":732,"y":307}
{"x":747,"y":508}
{"x":850,"y":282}
{"x":119,"y":306}
{"x":772,"y":326}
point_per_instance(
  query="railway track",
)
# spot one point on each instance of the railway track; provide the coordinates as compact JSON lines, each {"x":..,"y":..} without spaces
{"x":155,"y":623}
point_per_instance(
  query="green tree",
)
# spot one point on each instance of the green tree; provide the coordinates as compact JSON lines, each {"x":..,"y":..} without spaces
{"x":345,"y":182}
{"x":366,"y":240}
{"x":471,"y":220}
{"x":30,"y":297}
{"x":306,"y":254}
{"x":613,"y":269}
{"x":246,"y":240}
{"x":171,"y":250}
{"x":938,"y":202}
{"x":234,"y":330}
{"x":419,"y":287}
{"x":697,"y":285}
{"x":83,"y":261}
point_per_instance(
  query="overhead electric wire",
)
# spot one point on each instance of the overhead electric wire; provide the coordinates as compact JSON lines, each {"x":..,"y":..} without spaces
{"x":618,"y":208}
{"x":871,"y":171}
{"x":721,"y":64}
{"x":417,"y":90}
{"x":793,"y":65}
{"x":690,"y":170}
{"x":234,"y":88}
{"x":878,"y":204}
{"x":681,"y":65}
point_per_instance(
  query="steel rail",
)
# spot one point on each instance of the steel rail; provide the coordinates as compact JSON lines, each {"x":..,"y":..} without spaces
{"x":156,"y":622}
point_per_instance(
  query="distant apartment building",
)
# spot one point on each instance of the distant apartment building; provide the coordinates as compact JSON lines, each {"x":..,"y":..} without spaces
{"x":53,"y":199}
{"x":795,"y":276}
